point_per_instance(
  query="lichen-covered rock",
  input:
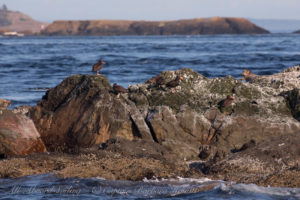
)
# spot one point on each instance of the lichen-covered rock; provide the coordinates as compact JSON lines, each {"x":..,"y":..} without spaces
{"x":24,"y":110}
{"x":273,"y":162}
{"x":153,"y":127}
{"x":18,"y":135}
{"x":82,"y":111}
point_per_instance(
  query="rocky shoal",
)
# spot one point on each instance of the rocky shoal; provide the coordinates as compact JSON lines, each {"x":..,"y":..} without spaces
{"x":159,"y":132}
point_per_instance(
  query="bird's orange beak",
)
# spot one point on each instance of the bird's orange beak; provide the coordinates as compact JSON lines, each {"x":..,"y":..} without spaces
{"x":102,"y":62}
{"x":231,"y":98}
{"x":180,"y":78}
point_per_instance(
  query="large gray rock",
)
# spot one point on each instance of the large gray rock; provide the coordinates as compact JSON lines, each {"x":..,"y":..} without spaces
{"x":82,"y":111}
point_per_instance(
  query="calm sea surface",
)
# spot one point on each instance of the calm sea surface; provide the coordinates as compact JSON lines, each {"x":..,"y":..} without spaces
{"x":29,"y":65}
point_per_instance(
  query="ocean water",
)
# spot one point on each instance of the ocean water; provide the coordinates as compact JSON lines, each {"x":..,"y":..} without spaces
{"x":49,"y":187}
{"x":30,"y":65}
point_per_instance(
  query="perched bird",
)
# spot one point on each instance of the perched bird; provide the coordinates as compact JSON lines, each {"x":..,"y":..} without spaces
{"x":248,"y":75}
{"x":118,"y":89}
{"x":174,"y":83}
{"x":98,"y":66}
{"x":225,"y":102}
{"x":159,"y":81}
{"x":153,"y":79}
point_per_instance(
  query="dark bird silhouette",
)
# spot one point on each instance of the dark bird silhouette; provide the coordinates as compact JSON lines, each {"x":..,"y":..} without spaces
{"x":118,"y":89}
{"x":153,"y":79}
{"x":174,"y":83}
{"x":225,"y":102}
{"x":160,"y":81}
{"x":98,"y":66}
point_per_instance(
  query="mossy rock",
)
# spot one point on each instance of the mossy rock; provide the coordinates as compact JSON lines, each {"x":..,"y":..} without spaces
{"x":138,"y":98}
{"x":247,"y":108}
{"x":223,"y":86}
{"x":248,"y":92}
{"x":173,"y":100}
{"x":79,"y":83}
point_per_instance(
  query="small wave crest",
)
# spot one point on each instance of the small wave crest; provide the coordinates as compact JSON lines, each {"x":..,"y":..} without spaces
{"x":248,"y":190}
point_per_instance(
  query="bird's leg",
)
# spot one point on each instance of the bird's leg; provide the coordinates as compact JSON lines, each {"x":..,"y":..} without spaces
{"x":97,"y":73}
{"x":118,"y":96}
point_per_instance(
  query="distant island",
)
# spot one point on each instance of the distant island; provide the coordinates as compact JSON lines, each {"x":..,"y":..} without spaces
{"x":18,"y":22}
{"x":14,"y":22}
{"x":214,"y":25}
{"x":297,"y":32}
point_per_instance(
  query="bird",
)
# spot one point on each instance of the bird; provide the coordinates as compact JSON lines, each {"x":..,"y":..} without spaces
{"x":248,"y":75}
{"x":174,"y":83}
{"x":118,"y":89}
{"x":159,"y":81}
{"x":98,"y":66}
{"x":225,"y":102}
{"x":153,"y":79}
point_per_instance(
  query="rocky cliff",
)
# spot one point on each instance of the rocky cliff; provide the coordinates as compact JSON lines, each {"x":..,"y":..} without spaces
{"x":215,"y":25}
{"x":166,"y":132}
{"x":17,"y":21}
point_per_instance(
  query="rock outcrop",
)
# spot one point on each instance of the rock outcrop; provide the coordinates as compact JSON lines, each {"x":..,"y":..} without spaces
{"x":164,"y":132}
{"x":82,"y":111}
{"x":273,"y":162}
{"x":18,"y":135}
{"x":215,"y":25}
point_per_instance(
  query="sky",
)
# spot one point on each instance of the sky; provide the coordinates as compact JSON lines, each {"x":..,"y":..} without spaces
{"x":50,"y":10}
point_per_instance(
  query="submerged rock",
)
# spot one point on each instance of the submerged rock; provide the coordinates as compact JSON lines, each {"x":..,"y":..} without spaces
{"x":18,"y":135}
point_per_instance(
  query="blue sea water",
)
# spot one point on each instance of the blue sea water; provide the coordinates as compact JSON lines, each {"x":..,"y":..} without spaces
{"x":30,"y":65}
{"x":49,"y":187}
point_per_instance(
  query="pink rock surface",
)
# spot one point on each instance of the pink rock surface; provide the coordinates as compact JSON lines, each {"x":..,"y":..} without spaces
{"x":18,"y":135}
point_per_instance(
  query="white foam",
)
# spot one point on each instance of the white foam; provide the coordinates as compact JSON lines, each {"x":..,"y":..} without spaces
{"x":259,"y":189}
{"x":179,"y":180}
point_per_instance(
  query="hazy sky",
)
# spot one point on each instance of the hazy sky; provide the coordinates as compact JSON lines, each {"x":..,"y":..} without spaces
{"x":49,"y":10}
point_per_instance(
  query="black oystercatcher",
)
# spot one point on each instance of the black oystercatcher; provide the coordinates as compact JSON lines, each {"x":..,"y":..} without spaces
{"x":118,"y":89}
{"x":98,"y":66}
{"x":159,"y":81}
{"x":153,"y":79}
{"x":174,"y":83}
{"x":225,"y":102}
